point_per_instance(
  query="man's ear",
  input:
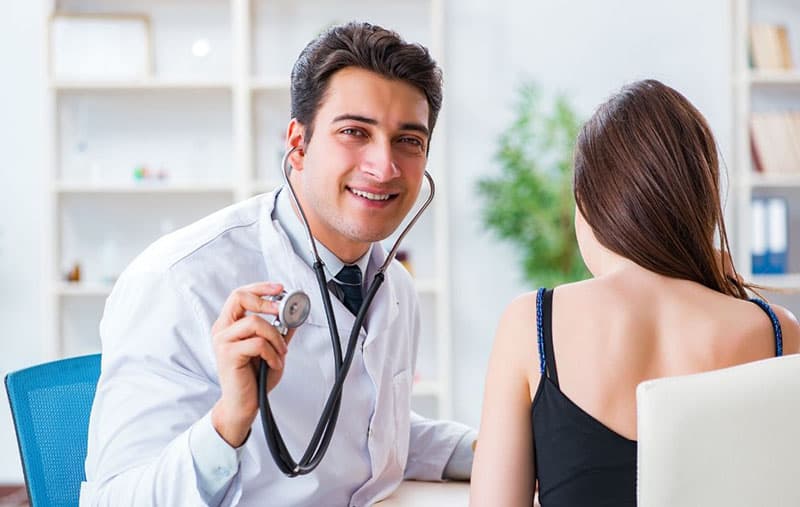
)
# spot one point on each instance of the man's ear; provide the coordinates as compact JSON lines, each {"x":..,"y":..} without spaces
{"x":295,"y":138}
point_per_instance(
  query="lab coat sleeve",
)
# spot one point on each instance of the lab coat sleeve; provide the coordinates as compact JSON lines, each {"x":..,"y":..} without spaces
{"x":157,"y":381}
{"x":431,"y":445}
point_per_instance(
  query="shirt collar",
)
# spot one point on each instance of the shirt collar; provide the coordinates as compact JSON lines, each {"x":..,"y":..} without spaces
{"x":288,"y":219}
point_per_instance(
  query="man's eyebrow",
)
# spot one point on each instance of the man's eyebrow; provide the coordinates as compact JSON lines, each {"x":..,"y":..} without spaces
{"x":418,"y":127}
{"x":355,"y":117}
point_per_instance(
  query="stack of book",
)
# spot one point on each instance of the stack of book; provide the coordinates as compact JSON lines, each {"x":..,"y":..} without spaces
{"x":769,"y":47}
{"x":775,"y":139}
{"x":770,"y":226}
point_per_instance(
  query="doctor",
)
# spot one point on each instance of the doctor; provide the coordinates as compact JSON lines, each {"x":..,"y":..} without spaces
{"x":174,"y":420}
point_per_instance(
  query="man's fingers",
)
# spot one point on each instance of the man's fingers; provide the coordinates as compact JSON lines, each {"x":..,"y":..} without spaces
{"x":252,"y":326}
{"x":257,"y":347}
{"x":248,"y":298}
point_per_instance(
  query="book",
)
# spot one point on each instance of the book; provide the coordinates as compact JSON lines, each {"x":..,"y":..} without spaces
{"x":775,"y":142}
{"x":769,"y":47}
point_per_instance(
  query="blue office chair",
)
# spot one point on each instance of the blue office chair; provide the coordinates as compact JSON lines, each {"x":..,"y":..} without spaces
{"x":50,"y":405}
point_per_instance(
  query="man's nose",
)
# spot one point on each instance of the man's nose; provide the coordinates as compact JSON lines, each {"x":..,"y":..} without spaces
{"x":379,"y":161}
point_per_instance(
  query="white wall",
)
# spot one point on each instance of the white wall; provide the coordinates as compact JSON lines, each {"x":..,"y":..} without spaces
{"x":22,"y":149}
{"x":582,"y":47}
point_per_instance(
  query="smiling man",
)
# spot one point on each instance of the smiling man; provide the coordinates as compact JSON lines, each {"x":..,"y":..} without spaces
{"x":174,"y":420}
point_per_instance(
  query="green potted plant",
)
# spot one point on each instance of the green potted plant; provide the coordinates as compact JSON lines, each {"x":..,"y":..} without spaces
{"x":530,"y":202}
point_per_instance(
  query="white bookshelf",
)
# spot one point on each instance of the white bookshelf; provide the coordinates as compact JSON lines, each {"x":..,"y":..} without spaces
{"x":768,"y":77}
{"x":82,"y":289}
{"x":144,"y":84}
{"x":214,"y":126}
{"x":275,"y":84}
{"x":141,"y":188}
{"x":763,"y":91}
{"x":775,"y":180}
{"x":789,"y":281}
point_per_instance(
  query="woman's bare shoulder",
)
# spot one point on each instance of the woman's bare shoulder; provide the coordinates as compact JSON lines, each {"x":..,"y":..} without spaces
{"x":519,"y":318}
{"x":517,"y":331}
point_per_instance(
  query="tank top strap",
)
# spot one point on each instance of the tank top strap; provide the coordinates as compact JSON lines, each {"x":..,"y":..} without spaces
{"x":539,"y":330}
{"x":544,"y":329}
{"x":776,"y":324}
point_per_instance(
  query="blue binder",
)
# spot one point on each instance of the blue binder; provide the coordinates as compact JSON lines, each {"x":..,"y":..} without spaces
{"x":758,"y":244}
{"x":777,"y":235}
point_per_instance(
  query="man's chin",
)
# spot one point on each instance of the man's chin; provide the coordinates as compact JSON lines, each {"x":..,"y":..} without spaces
{"x":373,"y":235}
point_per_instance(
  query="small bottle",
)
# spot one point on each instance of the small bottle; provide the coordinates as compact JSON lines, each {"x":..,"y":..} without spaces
{"x":74,"y":274}
{"x":403,"y":257}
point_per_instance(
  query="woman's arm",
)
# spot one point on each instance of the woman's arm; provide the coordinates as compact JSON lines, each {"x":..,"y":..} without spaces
{"x":503,"y":471}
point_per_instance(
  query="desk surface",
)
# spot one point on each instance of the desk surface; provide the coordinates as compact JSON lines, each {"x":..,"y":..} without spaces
{"x":429,"y":494}
{"x":432,"y":494}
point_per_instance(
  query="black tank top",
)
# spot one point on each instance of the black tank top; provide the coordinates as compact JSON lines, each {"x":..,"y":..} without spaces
{"x":579,"y":461}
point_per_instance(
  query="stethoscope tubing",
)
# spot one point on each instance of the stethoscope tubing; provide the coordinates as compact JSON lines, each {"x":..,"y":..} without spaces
{"x":323,"y":432}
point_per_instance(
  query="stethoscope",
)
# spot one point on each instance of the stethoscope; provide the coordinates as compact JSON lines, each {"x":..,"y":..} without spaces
{"x":292,"y":312}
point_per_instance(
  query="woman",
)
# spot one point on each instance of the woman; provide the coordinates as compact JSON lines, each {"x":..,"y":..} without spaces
{"x":560,"y":403}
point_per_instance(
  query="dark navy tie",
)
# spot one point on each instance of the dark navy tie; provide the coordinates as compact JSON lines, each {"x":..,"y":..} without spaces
{"x":348,"y":283}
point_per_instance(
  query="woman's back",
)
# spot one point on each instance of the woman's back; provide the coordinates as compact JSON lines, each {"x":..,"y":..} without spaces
{"x":635,"y":325}
{"x":597,"y":340}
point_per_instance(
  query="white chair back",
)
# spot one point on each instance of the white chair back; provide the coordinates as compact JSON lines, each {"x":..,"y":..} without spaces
{"x":724,"y":438}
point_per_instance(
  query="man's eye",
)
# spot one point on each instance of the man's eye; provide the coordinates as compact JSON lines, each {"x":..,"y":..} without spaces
{"x":352,"y":132}
{"x":411,"y":140}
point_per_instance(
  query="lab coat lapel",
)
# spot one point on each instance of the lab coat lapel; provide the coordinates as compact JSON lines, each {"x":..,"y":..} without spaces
{"x":285,"y":266}
{"x":386,"y":306}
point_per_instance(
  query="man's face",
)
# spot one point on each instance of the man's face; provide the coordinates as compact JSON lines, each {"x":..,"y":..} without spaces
{"x":360,"y":173}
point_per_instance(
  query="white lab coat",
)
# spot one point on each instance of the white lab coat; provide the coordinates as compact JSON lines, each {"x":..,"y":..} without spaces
{"x":159,"y":377}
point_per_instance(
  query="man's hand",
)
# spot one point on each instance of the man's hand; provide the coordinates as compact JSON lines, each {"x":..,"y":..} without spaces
{"x":241,"y":340}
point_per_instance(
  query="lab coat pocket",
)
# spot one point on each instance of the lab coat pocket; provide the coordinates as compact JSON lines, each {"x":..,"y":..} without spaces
{"x":401,"y":390}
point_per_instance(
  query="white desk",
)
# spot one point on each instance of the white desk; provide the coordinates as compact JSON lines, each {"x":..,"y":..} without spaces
{"x":432,"y":494}
{"x":429,"y":494}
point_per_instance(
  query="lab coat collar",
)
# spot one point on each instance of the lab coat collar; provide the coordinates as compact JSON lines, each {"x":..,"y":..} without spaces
{"x":285,"y":266}
{"x":291,"y":224}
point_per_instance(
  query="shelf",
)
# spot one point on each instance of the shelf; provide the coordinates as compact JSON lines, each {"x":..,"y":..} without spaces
{"x":218,"y":124}
{"x":91,"y":289}
{"x":776,"y":180}
{"x":269,"y":84}
{"x":774,"y":77}
{"x":260,"y":187}
{"x":144,"y":84}
{"x":426,"y":388}
{"x":787,"y":281}
{"x":143,"y":188}
{"x":427,"y":285}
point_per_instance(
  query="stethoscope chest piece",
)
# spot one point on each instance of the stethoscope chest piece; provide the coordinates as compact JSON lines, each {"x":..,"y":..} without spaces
{"x":293,"y":310}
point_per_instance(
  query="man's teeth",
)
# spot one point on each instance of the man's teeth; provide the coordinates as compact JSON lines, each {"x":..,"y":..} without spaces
{"x":371,"y":196}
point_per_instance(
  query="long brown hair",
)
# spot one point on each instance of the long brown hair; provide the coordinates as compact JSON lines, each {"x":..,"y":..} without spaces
{"x":647,"y":182}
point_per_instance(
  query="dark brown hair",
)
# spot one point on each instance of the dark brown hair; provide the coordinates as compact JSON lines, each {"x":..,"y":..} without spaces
{"x":647,"y":182}
{"x":369,"y":47}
